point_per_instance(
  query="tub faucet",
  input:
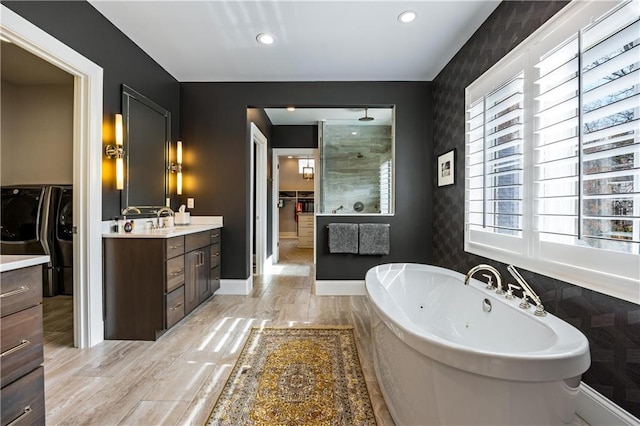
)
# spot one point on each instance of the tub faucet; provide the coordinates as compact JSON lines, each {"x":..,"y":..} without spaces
{"x":489,"y":268}
{"x":527,"y":291}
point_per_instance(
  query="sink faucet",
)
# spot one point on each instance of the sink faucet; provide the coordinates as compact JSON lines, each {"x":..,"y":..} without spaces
{"x":164,"y":210}
{"x":527,"y":291}
{"x":489,"y":268}
{"x":130,"y":209}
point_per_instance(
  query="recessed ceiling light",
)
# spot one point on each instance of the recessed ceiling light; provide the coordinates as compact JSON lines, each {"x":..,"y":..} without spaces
{"x":291,"y":109}
{"x":289,"y":156}
{"x":265,"y":38}
{"x":407,"y":16}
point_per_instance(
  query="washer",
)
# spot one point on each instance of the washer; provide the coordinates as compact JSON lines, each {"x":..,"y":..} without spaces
{"x":26,"y":226}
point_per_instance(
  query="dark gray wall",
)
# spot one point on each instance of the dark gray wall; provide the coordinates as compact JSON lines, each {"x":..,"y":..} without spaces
{"x":81,"y":27}
{"x":214,"y":122}
{"x":611,"y":325}
{"x":294,"y":136}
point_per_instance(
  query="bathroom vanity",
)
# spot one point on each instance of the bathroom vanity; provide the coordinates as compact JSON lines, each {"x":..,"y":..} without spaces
{"x":22,"y":373}
{"x":155,"y":278}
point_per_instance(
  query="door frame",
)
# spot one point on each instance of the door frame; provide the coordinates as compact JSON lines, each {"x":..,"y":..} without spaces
{"x":275,"y":214}
{"x":87,"y":168}
{"x":258,"y":210}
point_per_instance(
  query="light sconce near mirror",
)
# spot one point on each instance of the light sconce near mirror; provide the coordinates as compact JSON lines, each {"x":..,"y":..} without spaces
{"x":177,"y":167}
{"x":117,"y":151}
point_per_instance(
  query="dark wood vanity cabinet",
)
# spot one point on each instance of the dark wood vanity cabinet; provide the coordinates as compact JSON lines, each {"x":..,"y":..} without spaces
{"x":214,"y":263}
{"x":197,"y":287}
{"x":152,"y":283}
{"x":21,"y":344}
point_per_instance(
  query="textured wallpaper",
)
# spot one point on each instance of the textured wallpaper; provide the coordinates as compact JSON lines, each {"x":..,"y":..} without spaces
{"x":611,"y":325}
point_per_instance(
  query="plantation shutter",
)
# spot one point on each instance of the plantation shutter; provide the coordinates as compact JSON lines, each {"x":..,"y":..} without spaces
{"x":494,"y":159}
{"x":587,"y":136}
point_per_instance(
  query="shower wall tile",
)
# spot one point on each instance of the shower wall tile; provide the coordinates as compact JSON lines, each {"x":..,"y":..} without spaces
{"x":352,"y":166}
{"x":611,"y":325}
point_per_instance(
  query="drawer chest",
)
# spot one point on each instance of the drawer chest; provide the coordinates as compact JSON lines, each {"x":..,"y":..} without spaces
{"x":150,"y":284}
{"x":305,"y":230}
{"x":21,"y":344}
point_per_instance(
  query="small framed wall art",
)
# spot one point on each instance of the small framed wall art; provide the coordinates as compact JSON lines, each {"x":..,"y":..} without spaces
{"x":446,"y":172}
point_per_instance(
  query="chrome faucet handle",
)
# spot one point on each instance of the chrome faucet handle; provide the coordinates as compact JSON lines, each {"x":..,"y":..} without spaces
{"x":540,"y":312}
{"x":512,"y":287}
{"x":490,"y":285}
{"x":525,"y":303}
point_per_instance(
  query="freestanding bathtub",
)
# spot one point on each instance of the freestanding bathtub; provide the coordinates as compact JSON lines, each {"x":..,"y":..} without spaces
{"x":441,"y":359}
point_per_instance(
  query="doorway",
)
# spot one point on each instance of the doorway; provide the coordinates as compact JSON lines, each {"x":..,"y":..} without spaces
{"x":258,"y":217}
{"x":294,"y":204}
{"x":87,"y":167}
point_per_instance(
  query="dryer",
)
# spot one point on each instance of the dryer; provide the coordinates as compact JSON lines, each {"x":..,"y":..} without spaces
{"x":63,"y":240}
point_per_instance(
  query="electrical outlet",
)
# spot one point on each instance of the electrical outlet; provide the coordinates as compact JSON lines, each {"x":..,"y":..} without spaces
{"x":190,"y":203}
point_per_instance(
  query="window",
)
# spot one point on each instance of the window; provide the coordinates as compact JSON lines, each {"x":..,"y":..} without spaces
{"x":385,"y":186}
{"x":304,"y":163}
{"x":553,"y":151}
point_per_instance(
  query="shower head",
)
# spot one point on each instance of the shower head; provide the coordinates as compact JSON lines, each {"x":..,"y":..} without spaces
{"x":366,"y":116}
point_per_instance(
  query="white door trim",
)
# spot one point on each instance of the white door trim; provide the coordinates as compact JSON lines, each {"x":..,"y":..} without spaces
{"x":259,"y":188}
{"x":87,"y":168}
{"x":275,"y":215}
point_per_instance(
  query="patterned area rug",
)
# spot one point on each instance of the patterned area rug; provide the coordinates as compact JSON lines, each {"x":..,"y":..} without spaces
{"x":296,"y":376}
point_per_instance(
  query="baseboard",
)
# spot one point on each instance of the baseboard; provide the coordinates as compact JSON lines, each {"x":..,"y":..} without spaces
{"x":596,"y":409}
{"x":340,"y":288}
{"x":236,"y":287}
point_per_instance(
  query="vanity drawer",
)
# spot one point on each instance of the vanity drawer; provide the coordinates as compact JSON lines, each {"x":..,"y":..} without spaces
{"x":23,"y":400}
{"x":215,"y":255}
{"x":175,"y":272}
{"x":196,"y":241}
{"x":20,"y":289}
{"x":20,"y":343}
{"x":175,"y":246}
{"x":215,"y":236}
{"x":175,"y":306}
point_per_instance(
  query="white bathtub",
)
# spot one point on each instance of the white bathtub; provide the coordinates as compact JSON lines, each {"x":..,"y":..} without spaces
{"x":441,"y":360}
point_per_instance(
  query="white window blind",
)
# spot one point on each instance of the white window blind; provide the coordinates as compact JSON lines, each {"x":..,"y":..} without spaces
{"x":552,"y":176}
{"x":587,"y":137}
{"x":494,"y":160}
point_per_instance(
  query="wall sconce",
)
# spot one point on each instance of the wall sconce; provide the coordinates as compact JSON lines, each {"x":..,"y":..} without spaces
{"x":117,"y":151}
{"x":177,"y":167}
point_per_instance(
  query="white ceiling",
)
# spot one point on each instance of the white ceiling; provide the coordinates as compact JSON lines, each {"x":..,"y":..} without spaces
{"x":326,"y":40}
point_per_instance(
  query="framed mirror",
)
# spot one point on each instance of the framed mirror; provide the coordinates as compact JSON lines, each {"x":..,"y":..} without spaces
{"x":147,"y":132}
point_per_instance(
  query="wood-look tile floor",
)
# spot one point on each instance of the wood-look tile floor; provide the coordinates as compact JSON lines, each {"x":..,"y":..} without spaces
{"x":177,"y":379}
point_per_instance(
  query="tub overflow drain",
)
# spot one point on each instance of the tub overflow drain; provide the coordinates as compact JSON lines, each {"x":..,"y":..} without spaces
{"x":486,"y":305}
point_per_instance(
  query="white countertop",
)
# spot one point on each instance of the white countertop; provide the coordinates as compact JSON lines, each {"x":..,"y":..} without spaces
{"x":9,"y":262}
{"x":176,"y":231}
